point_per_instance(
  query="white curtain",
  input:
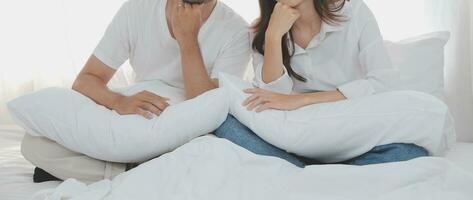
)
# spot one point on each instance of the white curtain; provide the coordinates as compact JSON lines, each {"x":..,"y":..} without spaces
{"x":46,"y":43}
{"x":405,"y":18}
{"x":457,"y":16}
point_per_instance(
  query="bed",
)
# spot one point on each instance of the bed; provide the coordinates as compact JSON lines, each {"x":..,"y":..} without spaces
{"x":16,"y":173}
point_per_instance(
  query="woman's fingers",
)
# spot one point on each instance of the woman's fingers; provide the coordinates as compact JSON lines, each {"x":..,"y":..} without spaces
{"x":250,"y":99}
{"x":258,"y":98}
{"x":263,"y":107}
{"x":255,"y":103}
{"x":253,"y":90}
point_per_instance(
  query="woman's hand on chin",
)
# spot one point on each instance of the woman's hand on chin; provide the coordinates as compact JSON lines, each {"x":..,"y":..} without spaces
{"x":261,"y":100}
{"x":282,"y":20}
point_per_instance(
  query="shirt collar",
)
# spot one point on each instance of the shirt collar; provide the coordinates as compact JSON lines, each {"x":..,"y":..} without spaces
{"x":327,"y":28}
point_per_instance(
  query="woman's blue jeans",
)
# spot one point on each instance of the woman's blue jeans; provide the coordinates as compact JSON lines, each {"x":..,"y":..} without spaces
{"x":239,"y":134}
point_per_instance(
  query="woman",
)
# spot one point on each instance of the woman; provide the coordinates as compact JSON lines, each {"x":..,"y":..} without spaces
{"x":316,"y":51}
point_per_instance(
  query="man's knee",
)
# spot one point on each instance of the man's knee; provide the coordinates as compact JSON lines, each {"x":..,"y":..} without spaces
{"x":64,"y":163}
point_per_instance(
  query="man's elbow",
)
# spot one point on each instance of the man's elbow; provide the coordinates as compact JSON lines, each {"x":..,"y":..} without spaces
{"x":76,"y":85}
{"x":194,"y":94}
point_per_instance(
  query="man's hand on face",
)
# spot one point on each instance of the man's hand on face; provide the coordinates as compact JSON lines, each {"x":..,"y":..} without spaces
{"x":144,"y":103}
{"x":186,"y":22}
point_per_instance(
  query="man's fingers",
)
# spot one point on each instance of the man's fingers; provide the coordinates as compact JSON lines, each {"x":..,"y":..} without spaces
{"x":151,"y":108}
{"x":144,"y":113}
{"x":180,"y":3}
{"x":160,"y":104}
{"x":157,"y":101}
{"x":151,"y":97}
{"x":186,"y":6}
{"x":197,"y":6}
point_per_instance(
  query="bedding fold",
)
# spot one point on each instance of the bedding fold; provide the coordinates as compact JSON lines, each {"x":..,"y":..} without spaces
{"x":210,"y":168}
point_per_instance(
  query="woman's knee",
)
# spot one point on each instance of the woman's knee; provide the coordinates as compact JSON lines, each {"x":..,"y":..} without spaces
{"x":231,"y":126}
{"x":390,"y":153}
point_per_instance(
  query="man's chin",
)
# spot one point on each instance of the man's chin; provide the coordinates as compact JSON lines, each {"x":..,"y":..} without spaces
{"x":291,"y":3}
{"x":196,"y":1}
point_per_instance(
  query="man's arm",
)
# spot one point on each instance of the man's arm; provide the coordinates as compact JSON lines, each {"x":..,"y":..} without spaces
{"x":186,"y":23}
{"x":196,"y":78}
{"x":92,"y":82}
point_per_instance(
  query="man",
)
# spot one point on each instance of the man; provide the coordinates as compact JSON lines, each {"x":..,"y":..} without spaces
{"x":184,"y":44}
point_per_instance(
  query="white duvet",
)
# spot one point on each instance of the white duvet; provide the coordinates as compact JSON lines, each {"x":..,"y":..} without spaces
{"x":210,"y":168}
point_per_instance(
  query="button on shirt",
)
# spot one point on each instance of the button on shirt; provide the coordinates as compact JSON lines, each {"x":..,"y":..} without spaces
{"x":139,"y":32}
{"x":349,"y":56}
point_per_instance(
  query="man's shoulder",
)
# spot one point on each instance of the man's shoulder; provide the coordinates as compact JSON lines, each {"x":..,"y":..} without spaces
{"x":140,"y":6}
{"x":231,"y":21}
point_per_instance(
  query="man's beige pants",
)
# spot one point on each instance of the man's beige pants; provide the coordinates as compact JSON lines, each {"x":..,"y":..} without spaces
{"x":64,"y":164}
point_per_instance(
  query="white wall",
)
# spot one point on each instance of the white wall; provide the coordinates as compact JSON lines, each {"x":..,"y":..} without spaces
{"x":45,"y":43}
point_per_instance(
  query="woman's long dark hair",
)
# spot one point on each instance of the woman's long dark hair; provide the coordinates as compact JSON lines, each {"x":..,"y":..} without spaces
{"x":328,"y":11}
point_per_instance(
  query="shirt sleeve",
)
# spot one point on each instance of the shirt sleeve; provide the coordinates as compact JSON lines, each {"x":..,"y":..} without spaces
{"x":235,"y":57}
{"x":282,"y":85}
{"x":114,"y":47}
{"x":381,"y":75}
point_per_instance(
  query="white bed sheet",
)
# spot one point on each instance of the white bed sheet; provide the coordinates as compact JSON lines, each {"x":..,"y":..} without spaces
{"x":16,"y":173}
{"x":462,"y":155}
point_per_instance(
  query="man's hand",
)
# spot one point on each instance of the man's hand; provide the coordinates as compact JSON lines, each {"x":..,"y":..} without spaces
{"x":186,"y":22}
{"x":144,"y":103}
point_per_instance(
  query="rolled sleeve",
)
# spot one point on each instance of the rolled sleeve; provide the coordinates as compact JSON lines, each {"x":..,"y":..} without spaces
{"x":381,"y":75}
{"x":282,"y":85}
{"x":356,"y":89}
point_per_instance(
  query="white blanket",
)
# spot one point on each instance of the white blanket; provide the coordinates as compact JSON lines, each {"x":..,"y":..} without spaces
{"x":209,"y":168}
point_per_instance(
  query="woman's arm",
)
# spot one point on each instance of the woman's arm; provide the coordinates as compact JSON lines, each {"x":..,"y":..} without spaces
{"x":273,"y":67}
{"x":271,"y":73}
{"x":261,"y":100}
{"x":381,"y":75}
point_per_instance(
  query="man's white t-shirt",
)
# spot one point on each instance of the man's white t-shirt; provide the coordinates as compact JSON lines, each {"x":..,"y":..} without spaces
{"x":139,"y":32}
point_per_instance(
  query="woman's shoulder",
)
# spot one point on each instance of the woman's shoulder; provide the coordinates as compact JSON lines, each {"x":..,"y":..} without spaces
{"x":358,"y":13}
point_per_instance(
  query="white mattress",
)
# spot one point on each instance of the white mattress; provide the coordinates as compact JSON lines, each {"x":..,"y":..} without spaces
{"x":16,"y":173}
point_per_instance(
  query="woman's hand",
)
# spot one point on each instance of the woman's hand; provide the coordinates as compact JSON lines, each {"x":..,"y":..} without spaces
{"x":262,"y":100}
{"x":282,"y":20}
{"x":144,"y":103}
{"x":186,"y":22}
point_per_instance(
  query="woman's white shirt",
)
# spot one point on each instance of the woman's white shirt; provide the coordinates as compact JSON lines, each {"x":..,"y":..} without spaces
{"x":349,"y":57}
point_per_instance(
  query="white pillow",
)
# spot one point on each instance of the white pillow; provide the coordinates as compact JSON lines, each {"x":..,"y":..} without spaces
{"x":78,"y":123}
{"x":334,"y":132}
{"x":421,"y":62}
